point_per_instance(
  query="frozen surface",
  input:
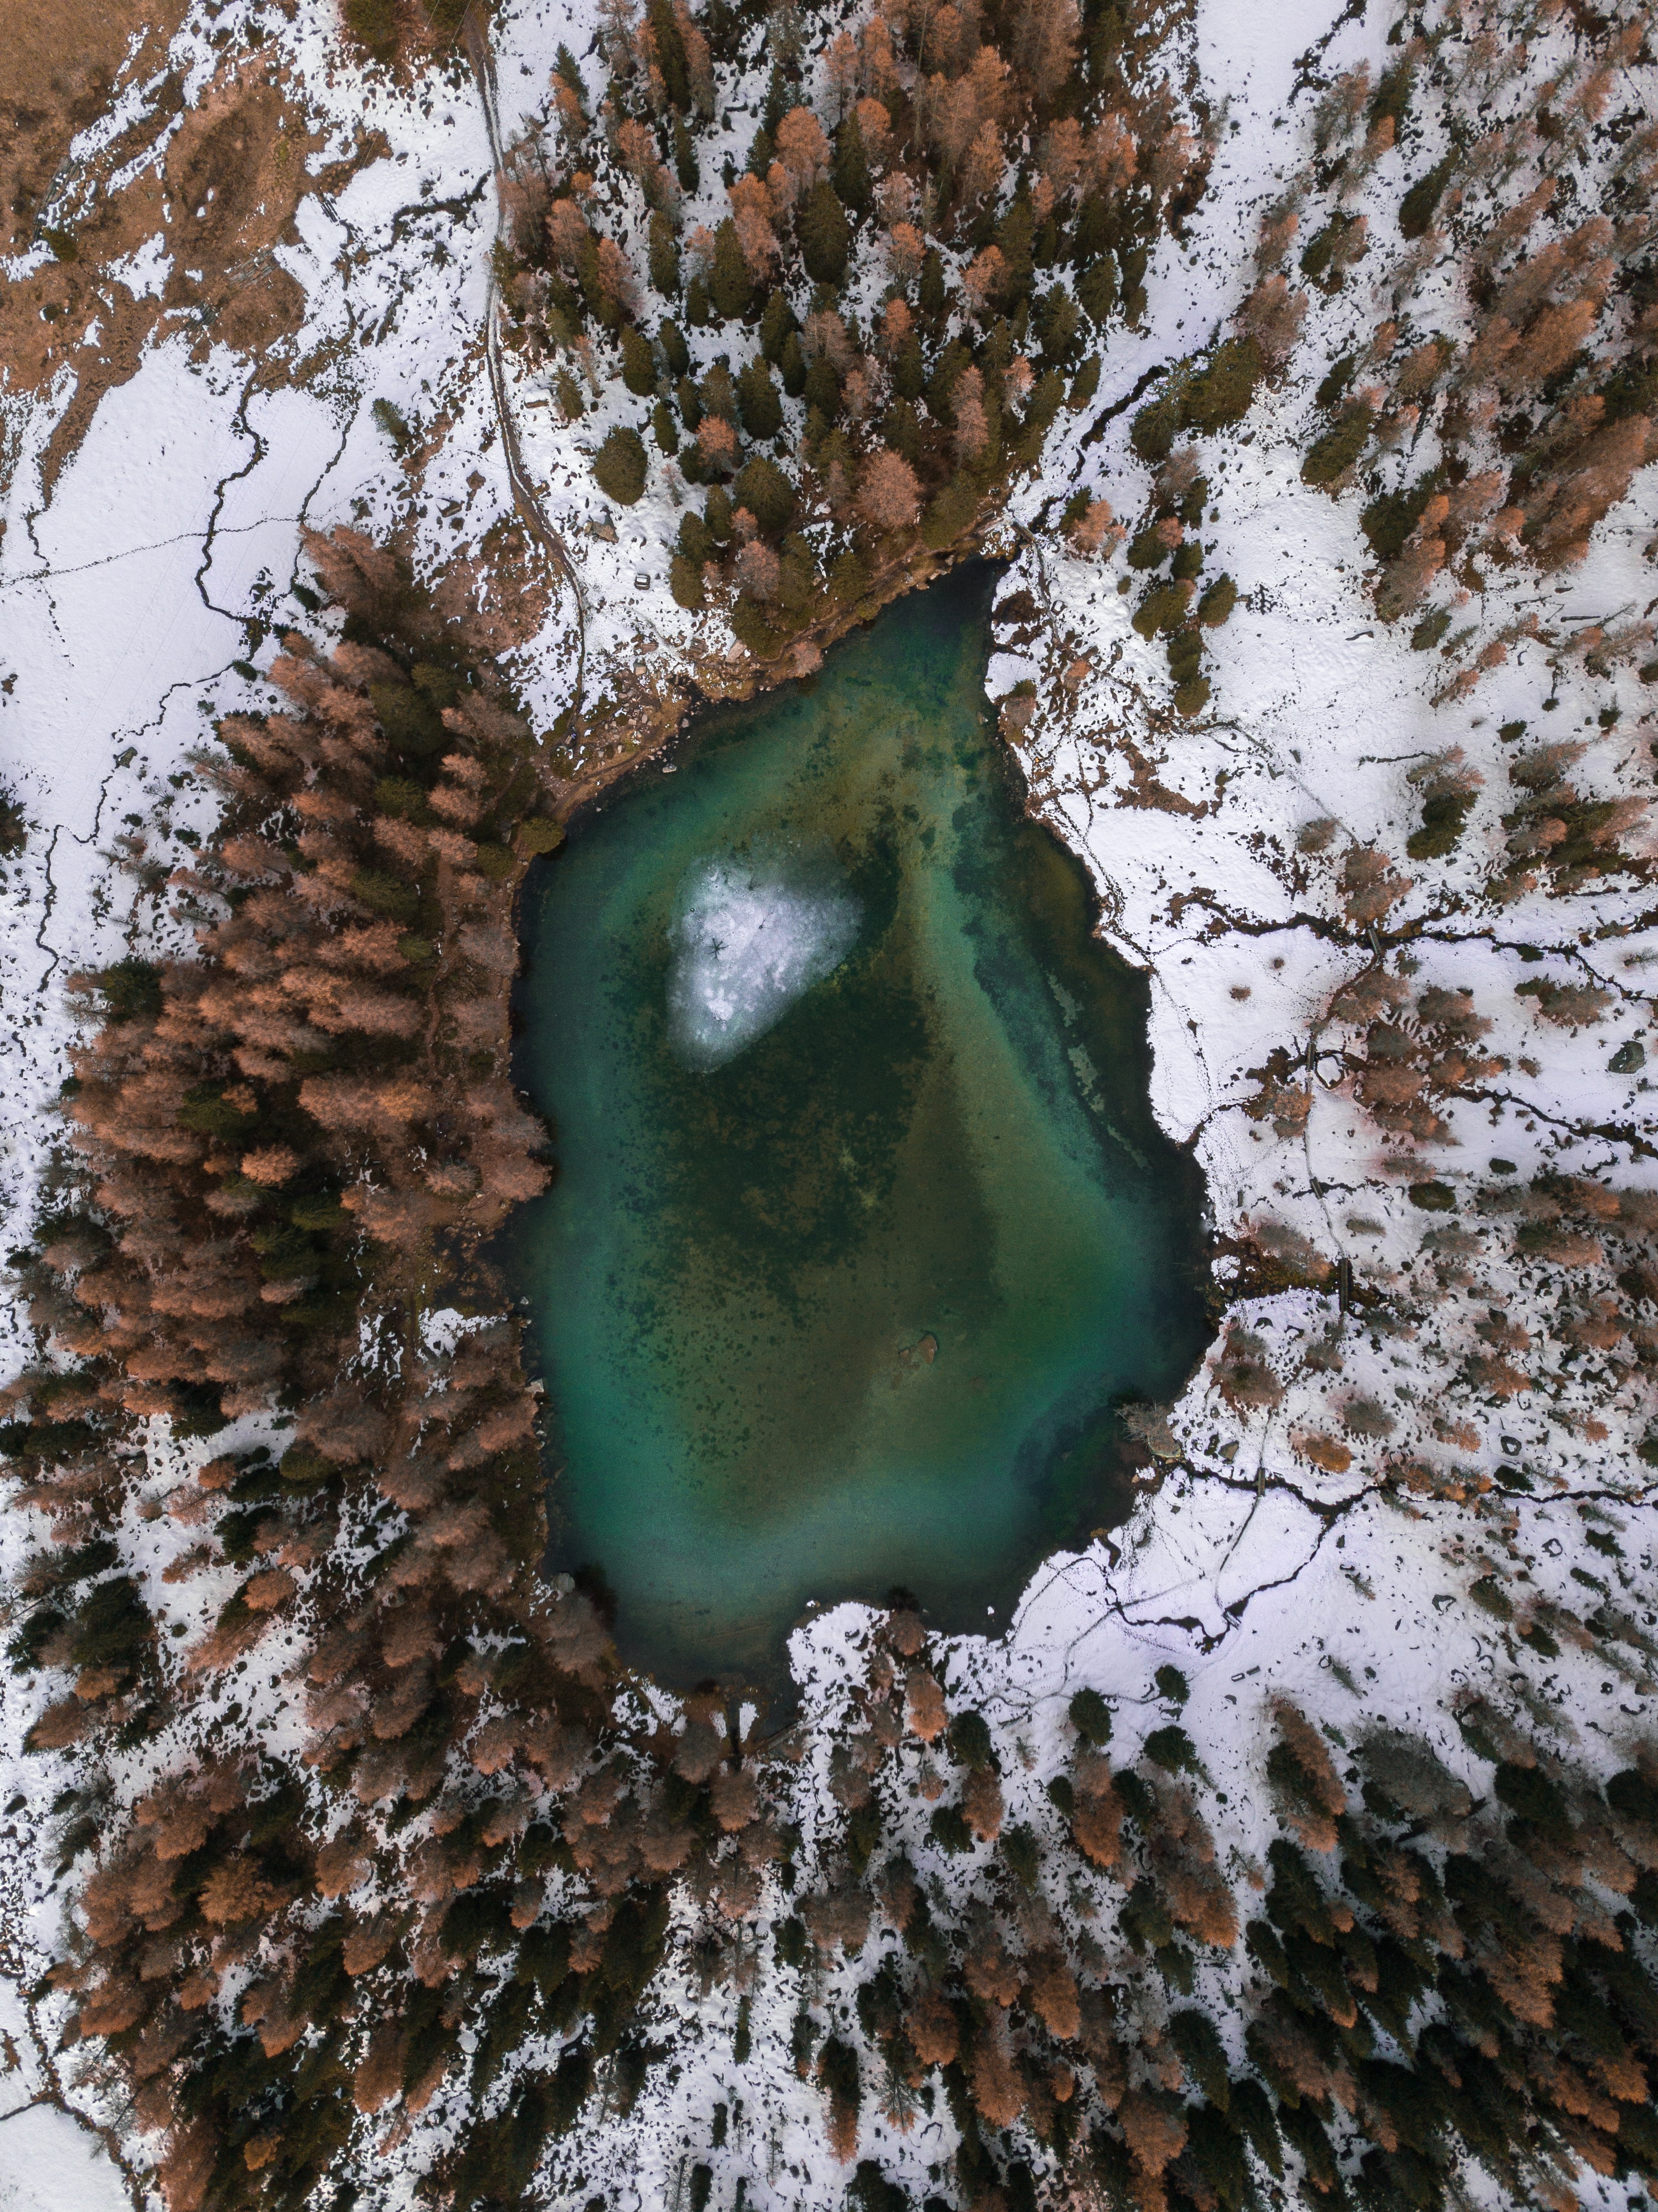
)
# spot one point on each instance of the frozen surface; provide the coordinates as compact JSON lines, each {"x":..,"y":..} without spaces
{"x":750,"y":938}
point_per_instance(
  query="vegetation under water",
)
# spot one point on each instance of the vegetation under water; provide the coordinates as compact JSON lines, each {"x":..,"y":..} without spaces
{"x":863,"y":1222}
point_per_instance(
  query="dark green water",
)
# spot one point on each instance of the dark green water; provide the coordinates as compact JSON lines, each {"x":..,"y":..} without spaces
{"x":847,"y":1307}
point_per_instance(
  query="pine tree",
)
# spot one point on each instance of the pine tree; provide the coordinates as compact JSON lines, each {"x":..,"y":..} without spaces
{"x":620,"y":466}
{"x":758,"y":400}
{"x":851,"y":178}
{"x":664,"y":257}
{"x":731,"y":287}
{"x":931,"y":294}
{"x":767,"y":493}
{"x":638,"y":362}
{"x":684,"y":157}
{"x":775,"y":326}
{"x":824,"y":234}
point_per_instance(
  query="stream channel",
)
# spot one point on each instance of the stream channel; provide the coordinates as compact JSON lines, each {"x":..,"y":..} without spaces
{"x":862,"y":1228}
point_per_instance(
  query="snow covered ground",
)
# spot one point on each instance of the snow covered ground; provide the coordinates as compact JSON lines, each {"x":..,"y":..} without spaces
{"x":136,"y":599}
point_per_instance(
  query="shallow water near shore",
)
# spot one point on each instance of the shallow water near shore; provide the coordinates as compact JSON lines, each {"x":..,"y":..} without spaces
{"x":862,"y":1225}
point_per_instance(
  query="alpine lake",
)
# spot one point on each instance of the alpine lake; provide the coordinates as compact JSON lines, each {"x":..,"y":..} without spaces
{"x":862,"y":1231}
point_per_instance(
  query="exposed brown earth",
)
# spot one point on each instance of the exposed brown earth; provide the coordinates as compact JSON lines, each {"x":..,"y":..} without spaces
{"x":219,"y":184}
{"x":64,"y":62}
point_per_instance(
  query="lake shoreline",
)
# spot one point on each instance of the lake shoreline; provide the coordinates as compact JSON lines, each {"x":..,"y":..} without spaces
{"x":1032,"y":883}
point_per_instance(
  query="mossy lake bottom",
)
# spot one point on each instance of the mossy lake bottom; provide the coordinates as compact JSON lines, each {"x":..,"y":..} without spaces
{"x":862,"y":1227}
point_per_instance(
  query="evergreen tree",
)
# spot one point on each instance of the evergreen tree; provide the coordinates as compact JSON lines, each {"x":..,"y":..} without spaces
{"x":794,"y":365}
{"x":757,"y":398}
{"x":949,"y":513}
{"x":695,"y":539}
{"x":930,"y":293}
{"x":663,"y":254}
{"x":670,"y":54}
{"x":825,"y":234}
{"x":1090,"y":1717}
{"x":852,"y":177}
{"x":822,"y":387}
{"x":568,"y":73}
{"x":761,"y":487}
{"x":620,"y":466}
{"x":909,"y":368}
{"x":1015,"y":236}
{"x":848,"y":579}
{"x":776,"y":325}
{"x":901,"y":428}
{"x":1056,"y":322}
{"x":730,"y":286}
{"x":798,"y":578}
{"x":675,"y":351}
{"x":638,"y":362}
{"x":778,"y":102}
{"x":684,"y":157}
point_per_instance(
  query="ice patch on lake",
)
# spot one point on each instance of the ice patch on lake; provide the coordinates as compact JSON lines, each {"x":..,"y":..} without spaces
{"x":749,"y":938}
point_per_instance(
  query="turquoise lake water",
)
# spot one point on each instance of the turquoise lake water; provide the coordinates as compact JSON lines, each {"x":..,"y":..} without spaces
{"x":862,"y":1225}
